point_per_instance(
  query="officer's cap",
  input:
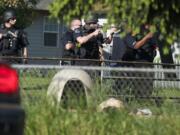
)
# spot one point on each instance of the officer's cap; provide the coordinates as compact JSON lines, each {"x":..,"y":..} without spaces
{"x":9,"y":14}
{"x":91,"y":19}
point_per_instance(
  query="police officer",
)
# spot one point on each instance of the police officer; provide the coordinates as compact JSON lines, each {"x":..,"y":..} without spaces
{"x":69,"y":42}
{"x":89,"y":40}
{"x":141,"y":48}
{"x":13,"y":41}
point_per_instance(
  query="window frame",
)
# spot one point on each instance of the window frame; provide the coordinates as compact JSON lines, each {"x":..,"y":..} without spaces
{"x":54,"y":32}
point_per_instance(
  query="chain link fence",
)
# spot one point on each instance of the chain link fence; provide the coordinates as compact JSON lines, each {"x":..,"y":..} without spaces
{"x":128,"y":81}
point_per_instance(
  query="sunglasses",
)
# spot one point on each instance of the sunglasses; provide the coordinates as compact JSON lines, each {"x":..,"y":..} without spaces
{"x":92,"y":23}
{"x":13,"y":18}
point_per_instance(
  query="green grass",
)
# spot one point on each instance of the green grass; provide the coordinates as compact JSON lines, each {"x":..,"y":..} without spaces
{"x":43,"y":118}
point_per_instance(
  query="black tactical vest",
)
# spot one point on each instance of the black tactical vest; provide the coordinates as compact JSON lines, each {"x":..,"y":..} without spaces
{"x":9,"y":41}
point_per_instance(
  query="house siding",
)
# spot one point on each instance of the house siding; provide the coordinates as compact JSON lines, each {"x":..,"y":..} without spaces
{"x":35,"y":36}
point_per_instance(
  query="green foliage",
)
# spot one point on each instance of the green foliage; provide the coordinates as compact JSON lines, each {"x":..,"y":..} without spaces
{"x":164,"y":13}
{"x":67,"y":9}
{"x":23,"y":10}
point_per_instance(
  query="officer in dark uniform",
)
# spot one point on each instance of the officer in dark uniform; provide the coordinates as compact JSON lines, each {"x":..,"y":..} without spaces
{"x":69,"y":42}
{"x":69,"y":46}
{"x":89,"y":40}
{"x":13,"y":41}
{"x":141,"y":48}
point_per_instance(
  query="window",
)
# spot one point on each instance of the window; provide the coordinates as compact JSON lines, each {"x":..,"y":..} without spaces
{"x":51,"y":32}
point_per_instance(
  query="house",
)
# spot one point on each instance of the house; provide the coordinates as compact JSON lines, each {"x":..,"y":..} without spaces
{"x":45,"y":35}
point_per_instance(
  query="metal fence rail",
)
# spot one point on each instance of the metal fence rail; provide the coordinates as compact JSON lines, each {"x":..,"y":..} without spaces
{"x":138,"y":82}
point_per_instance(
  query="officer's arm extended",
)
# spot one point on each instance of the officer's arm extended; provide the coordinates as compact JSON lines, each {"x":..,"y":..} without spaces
{"x":141,"y":42}
{"x":83,"y":39}
{"x":132,"y":43}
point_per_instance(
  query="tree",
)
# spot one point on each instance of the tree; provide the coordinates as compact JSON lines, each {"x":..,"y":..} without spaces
{"x":23,"y":9}
{"x":164,"y":13}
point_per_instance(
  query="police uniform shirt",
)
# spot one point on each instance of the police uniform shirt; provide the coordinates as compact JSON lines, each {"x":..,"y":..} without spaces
{"x":9,"y":42}
{"x":130,"y":52}
{"x":77,"y":33}
{"x":90,"y":49}
{"x":13,"y":40}
{"x":22,"y":39}
{"x":144,"y":53}
{"x":68,"y":38}
{"x":147,"y":52}
{"x":130,"y":41}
